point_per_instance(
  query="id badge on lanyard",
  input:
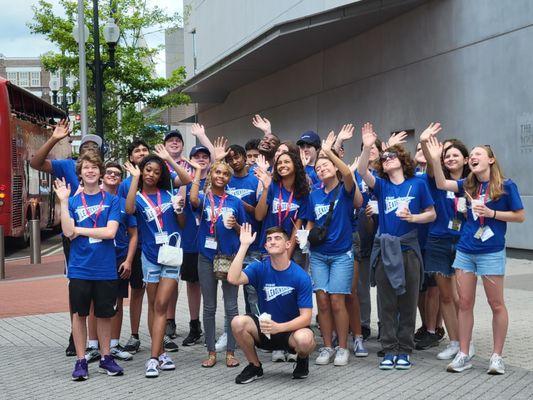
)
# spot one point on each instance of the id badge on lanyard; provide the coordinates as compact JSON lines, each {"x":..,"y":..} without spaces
{"x":455,"y":223}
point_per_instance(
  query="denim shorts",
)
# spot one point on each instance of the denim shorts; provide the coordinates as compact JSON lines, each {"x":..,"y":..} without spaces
{"x":332,"y":273}
{"x":439,"y":255}
{"x":153,"y":272}
{"x":481,"y":264}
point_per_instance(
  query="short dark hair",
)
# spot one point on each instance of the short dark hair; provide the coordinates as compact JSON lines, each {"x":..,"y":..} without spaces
{"x":277,"y":229}
{"x":136,"y":143}
{"x":114,"y":164}
{"x":237,"y":149}
{"x":252,"y":144}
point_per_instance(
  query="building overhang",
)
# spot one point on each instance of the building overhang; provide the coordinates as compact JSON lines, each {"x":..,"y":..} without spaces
{"x":288,"y":43}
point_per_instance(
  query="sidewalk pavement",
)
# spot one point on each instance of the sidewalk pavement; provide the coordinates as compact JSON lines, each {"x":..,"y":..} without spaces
{"x":34,"y":363}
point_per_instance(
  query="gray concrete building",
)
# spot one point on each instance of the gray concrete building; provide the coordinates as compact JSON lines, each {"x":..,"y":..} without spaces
{"x":317,"y":64}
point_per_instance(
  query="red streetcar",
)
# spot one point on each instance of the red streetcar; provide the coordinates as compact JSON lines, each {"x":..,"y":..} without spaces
{"x":25,"y":193}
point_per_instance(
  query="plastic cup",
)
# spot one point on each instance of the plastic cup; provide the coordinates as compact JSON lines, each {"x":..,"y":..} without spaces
{"x":374,"y":206}
{"x":476,"y":202}
{"x":225,"y":217}
{"x":403,"y":205}
{"x":461,"y":204}
{"x":302,"y":235}
{"x":177,"y":204}
{"x":265,"y":317}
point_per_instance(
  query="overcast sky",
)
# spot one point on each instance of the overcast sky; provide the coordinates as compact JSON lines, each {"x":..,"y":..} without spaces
{"x":17,"y":41}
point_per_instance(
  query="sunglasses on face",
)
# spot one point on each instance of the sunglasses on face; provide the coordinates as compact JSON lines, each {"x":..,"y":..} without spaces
{"x":110,"y":172}
{"x":388,"y":155}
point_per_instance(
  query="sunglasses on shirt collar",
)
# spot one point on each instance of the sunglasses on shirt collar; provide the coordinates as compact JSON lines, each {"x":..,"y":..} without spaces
{"x":388,"y":155}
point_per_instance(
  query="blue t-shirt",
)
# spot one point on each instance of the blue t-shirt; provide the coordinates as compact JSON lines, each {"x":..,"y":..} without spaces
{"x":280,"y":293}
{"x":192,"y":220}
{"x":445,"y":209}
{"x":66,"y":169}
{"x":147,"y":222}
{"x":311,"y":173}
{"x":388,"y":194}
{"x":227,"y":239}
{"x":122,"y":239}
{"x":124,"y":187}
{"x":245,"y":188}
{"x":93,"y":261}
{"x":298,"y":209}
{"x":423,"y":229}
{"x":339,"y":237}
{"x":509,"y":201}
{"x":366,"y":237}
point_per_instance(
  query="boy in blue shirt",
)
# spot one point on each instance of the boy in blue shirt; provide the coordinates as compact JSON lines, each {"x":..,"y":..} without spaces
{"x":285,"y":294}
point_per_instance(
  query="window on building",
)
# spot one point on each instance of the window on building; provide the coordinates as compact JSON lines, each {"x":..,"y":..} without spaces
{"x":35,"y":79}
{"x":24,"y":79}
{"x":12,"y":76}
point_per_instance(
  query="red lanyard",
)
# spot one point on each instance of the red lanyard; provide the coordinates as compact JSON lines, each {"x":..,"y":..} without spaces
{"x":98,"y":212}
{"x":484,"y":198}
{"x":215,"y":215}
{"x":280,"y":200}
{"x":157,"y":209}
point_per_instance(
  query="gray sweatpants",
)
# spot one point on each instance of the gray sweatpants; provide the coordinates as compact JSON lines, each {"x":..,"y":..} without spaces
{"x":363,"y":291}
{"x":398,"y":312}
{"x":209,"y":286}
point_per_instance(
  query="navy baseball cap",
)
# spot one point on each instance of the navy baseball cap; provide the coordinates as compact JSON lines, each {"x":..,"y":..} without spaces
{"x":174,"y":133}
{"x":197,"y":149}
{"x":309,"y":137}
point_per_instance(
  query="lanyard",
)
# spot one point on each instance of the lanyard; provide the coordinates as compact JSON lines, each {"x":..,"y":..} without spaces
{"x":280,"y":200}
{"x":157,"y":209}
{"x":215,"y":215}
{"x":98,"y":212}
{"x":484,"y":198}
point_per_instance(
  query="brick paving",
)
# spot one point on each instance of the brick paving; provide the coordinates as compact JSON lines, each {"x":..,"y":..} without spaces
{"x":33,"y":364}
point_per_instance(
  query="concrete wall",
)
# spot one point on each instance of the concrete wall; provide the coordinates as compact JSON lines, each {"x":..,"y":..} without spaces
{"x":465,"y":63}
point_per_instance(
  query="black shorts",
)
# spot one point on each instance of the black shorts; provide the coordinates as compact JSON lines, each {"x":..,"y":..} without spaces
{"x":66,"y":251}
{"x":83,"y":292}
{"x":279,"y":341}
{"x":136,"y":277}
{"x":122,"y":287}
{"x":189,"y":267}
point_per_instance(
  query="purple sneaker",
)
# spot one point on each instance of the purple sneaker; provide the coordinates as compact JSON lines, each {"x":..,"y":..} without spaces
{"x":81,"y":370}
{"x":110,"y":367}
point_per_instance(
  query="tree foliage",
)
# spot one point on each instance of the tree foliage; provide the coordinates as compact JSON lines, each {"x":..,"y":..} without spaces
{"x":131,"y":83}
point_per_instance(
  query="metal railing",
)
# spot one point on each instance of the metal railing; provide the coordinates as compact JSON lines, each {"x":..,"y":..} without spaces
{"x":35,"y":241}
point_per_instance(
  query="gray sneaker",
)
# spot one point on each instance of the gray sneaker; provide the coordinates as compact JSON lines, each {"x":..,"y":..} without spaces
{"x":169,"y":345}
{"x":132,"y":346}
{"x":496,"y":367}
{"x":325,"y":356}
{"x":119,"y":354}
{"x":92,"y":355}
{"x":460,"y":363}
{"x":170,"y":329}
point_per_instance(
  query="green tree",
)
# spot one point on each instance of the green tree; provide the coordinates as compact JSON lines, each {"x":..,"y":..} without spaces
{"x":132,"y":83}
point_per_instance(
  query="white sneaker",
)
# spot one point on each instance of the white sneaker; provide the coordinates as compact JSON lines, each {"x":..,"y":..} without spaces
{"x":471,"y":351}
{"x":278,"y":356}
{"x":166,"y":363}
{"x":325,"y":356}
{"x":449,"y":352}
{"x":152,"y":368}
{"x":496,"y":366}
{"x":221,"y":343}
{"x":341,"y":357}
{"x":459,"y":363}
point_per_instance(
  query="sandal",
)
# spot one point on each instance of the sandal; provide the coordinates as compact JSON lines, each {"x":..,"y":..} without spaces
{"x":231,"y":361}
{"x":210,"y":361}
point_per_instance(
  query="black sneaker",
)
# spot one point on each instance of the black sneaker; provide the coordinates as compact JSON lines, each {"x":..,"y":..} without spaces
{"x":381,"y":353}
{"x":170,"y":329}
{"x":365,"y":331}
{"x":249,"y":374}
{"x":429,"y":340}
{"x":420,"y":333}
{"x":195,"y":333}
{"x":301,"y":369}
{"x":70,"y":351}
{"x":169,"y":345}
{"x":440,"y":332}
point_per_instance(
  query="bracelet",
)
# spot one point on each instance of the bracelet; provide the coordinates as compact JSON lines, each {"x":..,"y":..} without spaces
{"x":494,"y":216}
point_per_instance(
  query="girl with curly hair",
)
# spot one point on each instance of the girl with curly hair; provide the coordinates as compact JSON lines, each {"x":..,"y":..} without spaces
{"x":403,"y":202}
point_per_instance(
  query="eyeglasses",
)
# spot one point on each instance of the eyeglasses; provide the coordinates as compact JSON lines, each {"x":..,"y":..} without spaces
{"x":110,"y":172}
{"x":388,"y":155}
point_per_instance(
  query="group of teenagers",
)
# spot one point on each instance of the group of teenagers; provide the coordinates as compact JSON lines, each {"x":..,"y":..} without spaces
{"x":283,"y":220}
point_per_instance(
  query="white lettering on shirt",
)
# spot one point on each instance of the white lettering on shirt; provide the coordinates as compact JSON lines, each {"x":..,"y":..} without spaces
{"x":240,"y":193}
{"x":284,"y":204}
{"x":151,"y":214}
{"x":322,"y":209}
{"x":272,"y":291}
{"x":82,"y":213}
{"x":391,"y":203}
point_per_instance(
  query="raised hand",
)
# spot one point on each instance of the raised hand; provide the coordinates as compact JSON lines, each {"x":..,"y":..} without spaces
{"x":162,"y":152}
{"x":305,"y":159}
{"x":262,"y":123}
{"x":262,"y":162}
{"x":132,"y":169}
{"x":61,"y":130}
{"x":346,"y":132}
{"x":327,"y":144}
{"x":263,"y":176}
{"x":61,"y":189}
{"x":247,"y":237}
{"x":368,"y":135}
{"x":431,"y":130}
{"x":192,"y":163}
{"x":395,"y":138}
{"x":435,"y":149}
{"x":355,"y":163}
{"x":220,"y":144}
{"x":197,"y":130}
